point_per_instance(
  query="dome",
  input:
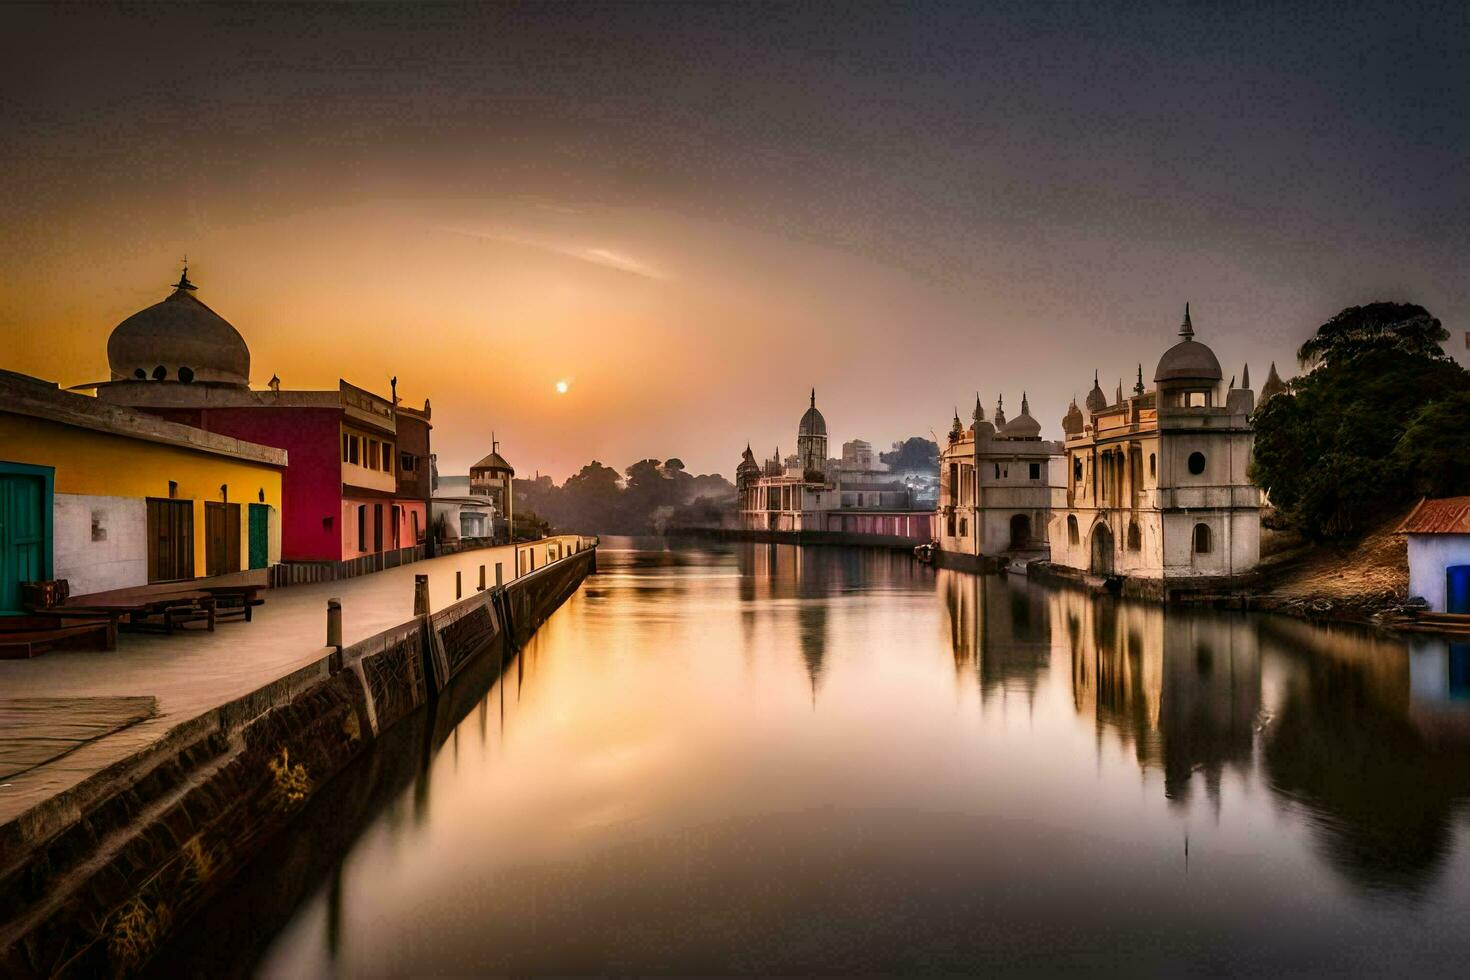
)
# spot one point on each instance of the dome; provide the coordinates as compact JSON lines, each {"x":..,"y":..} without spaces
{"x":179,"y":339}
{"x":1188,"y":360}
{"x":812,"y":423}
{"x":1072,"y":422}
{"x":1096,"y":400}
{"x":1023,"y":426}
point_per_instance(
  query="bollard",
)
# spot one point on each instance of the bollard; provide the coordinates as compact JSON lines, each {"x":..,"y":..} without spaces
{"x":482,"y":579}
{"x":458,"y":586}
{"x":421,"y":595}
{"x":499,"y":574}
{"x":334,"y":623}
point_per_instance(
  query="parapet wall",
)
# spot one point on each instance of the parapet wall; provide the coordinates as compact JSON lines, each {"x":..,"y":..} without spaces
{"x":94,"y":882}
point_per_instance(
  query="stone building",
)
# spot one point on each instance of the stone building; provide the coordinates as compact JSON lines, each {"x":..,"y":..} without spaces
{"x":1157,"y":490}
{"x":494,"y":478}
{"x":857,"y":456}
{"x":345,"y":509}
{"x":798,"y":496}
{"x":999,"y":482}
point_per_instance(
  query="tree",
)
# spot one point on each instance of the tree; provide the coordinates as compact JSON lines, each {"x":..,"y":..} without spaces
{"x":914,"y":454}
{"x":1406,"y":327}
{"x":1381,"y":419}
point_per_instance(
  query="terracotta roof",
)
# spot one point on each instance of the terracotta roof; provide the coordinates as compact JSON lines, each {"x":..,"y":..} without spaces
{"x":494,"y":461}
{"x":1447,"y":515}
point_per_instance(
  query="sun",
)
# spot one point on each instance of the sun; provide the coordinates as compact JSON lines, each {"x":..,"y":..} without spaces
{"x":561,"y":387}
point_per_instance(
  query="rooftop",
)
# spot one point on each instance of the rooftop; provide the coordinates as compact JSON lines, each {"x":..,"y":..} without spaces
{"x":1445,"y":515}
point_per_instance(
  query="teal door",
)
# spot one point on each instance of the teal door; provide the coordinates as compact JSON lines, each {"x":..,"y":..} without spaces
{"x":260,"y":547}
{"x":25,"y":530}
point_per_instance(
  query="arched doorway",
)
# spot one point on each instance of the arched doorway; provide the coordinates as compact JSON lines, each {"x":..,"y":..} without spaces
{"x":1020,"y":532}
{"x":1102,"y":551}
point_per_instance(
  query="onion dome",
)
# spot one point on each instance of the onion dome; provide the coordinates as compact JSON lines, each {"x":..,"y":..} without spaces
{"x":178,"y":339}
{"x":812,"y":423}
{"x":1072,"y":422}
{"x":1000,"y":412}
{"x":1188,"y":360}
{"x":1023,"y":426}
{"x":1096,"y":400}
{"x":1273,"y":386}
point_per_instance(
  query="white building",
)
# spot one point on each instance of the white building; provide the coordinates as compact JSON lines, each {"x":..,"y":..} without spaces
{"x":796,"y":496}
{"x":999,"y":483}
{"x":1438,"y":533}
{"x":1157,"y":484}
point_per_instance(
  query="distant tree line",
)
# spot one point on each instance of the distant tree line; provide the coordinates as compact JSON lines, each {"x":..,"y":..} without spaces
{"x":648,"y":497}
{"x":1381,"y":418}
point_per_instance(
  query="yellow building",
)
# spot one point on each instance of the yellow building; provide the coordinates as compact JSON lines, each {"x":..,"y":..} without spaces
{"x":109,"y":498}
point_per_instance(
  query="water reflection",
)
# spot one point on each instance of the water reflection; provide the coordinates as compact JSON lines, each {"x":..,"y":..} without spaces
{"x":763,"y":759}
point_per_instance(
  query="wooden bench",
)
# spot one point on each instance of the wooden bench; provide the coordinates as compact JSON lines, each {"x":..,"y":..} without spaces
{"x":23,"y":637}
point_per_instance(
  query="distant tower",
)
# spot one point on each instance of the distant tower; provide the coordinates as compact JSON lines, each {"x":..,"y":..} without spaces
{"x":811,"y":442}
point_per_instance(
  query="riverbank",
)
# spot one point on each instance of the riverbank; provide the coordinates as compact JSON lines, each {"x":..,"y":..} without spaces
{"x":95,"y":876}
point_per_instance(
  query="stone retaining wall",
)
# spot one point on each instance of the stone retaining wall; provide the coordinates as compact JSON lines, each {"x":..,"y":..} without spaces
{"x":96,"y":880}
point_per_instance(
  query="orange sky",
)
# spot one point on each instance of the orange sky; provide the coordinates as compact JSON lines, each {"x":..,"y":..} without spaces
{"x":695,"y":220}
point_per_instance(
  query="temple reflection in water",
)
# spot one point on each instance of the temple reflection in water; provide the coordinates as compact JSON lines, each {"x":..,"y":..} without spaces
{"x":1368,"y":736}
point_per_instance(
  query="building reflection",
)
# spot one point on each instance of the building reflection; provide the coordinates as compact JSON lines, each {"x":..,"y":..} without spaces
{"x":1000,"y":628}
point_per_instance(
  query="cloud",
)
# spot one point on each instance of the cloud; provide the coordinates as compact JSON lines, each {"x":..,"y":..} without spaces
{"x":603,"y":257}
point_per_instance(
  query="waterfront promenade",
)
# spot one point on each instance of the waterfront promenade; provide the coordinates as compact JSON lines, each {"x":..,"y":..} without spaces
{"x":192,"y":671}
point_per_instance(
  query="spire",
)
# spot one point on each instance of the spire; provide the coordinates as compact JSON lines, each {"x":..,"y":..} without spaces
{"x":814,"y":398}
{"x":1186,"y":329}
{"x":1000,"y":412}
{"x":1118,"y":397}
{"x":1245,"y":376}
{"x":1025,"y":405}
{"x":1138,"y":385}
{"x":1232,"y":383}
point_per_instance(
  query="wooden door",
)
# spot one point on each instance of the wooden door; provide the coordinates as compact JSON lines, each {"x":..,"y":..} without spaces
{"x":23,"y":546}
{"x":170,"y":539}
{"x":221,"y":538}
{"x":260,"y":542}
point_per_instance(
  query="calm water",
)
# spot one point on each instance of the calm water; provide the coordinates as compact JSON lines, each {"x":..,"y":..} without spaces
{"x":766,"y":759}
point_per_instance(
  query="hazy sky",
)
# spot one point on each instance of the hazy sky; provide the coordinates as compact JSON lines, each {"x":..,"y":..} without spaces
{"x":694,"y":214}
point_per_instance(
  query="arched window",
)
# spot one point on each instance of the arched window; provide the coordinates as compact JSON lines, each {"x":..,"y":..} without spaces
{"x":1135,"y":537}
{"x":1073,"y":535}
{"x":1196,"y":463}
{"x":186,"y":374}
{"x":1153,"y":465}
{"x":140,"y":374}
{"x":160,"y":372}
{"x":1202,"y":539}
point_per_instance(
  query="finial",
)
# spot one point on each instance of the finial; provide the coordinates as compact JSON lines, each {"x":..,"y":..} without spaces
{"x":1245,"y":376}
{"x":184,"y":282}
{"x":1025,"y":405}
{"x":1186,"y":329}
{"x":814,"y":398}
{"x":494,"y":443}
{"x":1094,"y":378}
{"x":1138,"y":385}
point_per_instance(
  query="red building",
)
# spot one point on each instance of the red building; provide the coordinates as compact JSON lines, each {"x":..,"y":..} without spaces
{"x":351,"y":500}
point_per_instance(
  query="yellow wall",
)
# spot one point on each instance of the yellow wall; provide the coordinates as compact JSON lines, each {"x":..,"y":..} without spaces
{"x":103,"y":464}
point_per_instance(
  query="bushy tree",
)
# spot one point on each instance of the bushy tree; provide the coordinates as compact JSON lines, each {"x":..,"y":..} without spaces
{"x":914,"y":455}
{"x":1379,"y":420}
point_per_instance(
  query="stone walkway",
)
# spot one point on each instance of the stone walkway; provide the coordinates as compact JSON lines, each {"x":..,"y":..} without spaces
{"x":192,"y":671}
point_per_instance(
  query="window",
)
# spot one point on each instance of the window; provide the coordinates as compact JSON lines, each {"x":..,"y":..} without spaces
{"x":997,"y":471}
{"x":1073,"y":537}
{"x":406,"y":462}
{"x":949,"y":524}
{"x":362,"y":527}
{"x":1035,"y":471}
{"x":1197,"y":463}
{"x":140,"y":374}
{"x":186,"y":374}
{"x":352,"y":449}
{"x":1195,"y":399}
{"x":345,"y":439}
{"x":1077,"y":468}
{"x":373,"y":459}
{"x":964,"y":526}
{"x":160,"y":372}
{"x":1153,"y":465}
{"x":1202,"y":539}
{"x":1135,"y":537}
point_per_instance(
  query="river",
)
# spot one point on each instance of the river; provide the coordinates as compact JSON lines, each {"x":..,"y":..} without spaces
{"x":759,"y":758}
